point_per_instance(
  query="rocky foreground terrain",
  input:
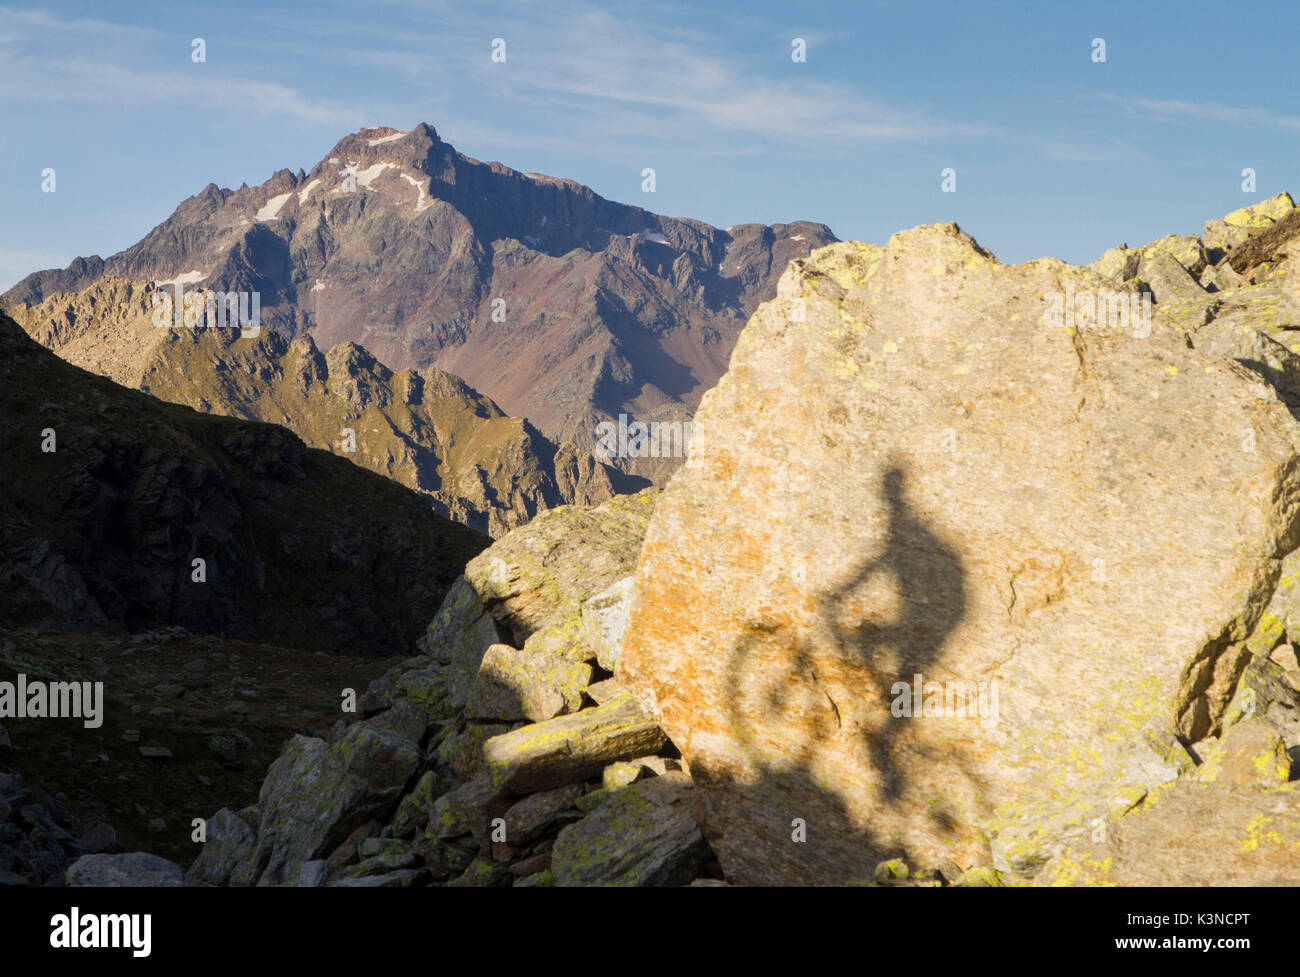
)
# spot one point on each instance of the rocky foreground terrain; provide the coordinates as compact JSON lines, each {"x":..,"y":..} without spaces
{"x":963,"y":584}
{"x":190,"y":723}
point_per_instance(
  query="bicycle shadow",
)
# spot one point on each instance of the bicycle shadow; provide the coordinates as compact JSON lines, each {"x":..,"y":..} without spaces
{"x":833,"y":683}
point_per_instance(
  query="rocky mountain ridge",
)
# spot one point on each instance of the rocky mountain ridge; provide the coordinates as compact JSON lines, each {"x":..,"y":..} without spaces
{"x":426,"y":429}
{"x":561,"y":306}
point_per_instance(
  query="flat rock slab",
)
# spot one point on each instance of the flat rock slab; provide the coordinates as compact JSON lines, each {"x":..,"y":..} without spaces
{"x":570,"y":749}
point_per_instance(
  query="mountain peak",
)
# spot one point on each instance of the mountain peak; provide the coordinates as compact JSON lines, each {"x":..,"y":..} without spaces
{"x":556,"y":303}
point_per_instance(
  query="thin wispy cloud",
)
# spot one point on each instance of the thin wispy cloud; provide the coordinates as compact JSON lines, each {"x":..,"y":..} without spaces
{"x":107,"y":69}
{"x":1172,"y":110}
{"x":42,"y":21}
{"x":659,"y":80}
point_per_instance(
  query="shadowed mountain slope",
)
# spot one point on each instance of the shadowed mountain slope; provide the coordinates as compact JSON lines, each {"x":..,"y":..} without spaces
{"x":108,"y":497}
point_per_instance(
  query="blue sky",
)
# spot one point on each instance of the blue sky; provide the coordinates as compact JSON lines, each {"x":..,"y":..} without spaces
{"x":1054,"y":154}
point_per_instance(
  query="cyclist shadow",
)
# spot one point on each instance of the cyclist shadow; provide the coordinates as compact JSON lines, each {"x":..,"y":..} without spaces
{"x":888,"y":620}
{"x":928,"y":578}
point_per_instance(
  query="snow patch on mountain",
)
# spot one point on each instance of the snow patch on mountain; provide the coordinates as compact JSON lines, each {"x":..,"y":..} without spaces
{"x":272,"y":207}
{"x":189,"y":278}
{"x":305,"y":192}
{"x":371,"y":173}
{"x":383,"y":139}
{"x":420,"y":202}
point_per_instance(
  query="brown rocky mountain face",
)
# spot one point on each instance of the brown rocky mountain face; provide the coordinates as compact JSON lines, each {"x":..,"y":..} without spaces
{"x":561,"y":306}
{"x":108,"y":496}
{"x":424,"y":428}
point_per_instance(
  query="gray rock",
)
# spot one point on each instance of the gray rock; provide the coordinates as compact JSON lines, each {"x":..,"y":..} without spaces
{"x":378,"y":695}
{"x":404,"y":720}
{"x":316,"y":794}
{"x":620,"y":774}
{"x":413,"y":811}
{"x":531,"y":817}
{"x":1234,"y":229}
{"x":400,"y":879}
{"x":230,"y":747}
{"x":134,"y":869}
{"x":445,"y":860}
{"x":156,"y":752}
{"x":643,"y":835}
{"x":230,"y":839}
{"x":422,"y":688}
{"x":544,"y":679}
{"x":532,"y":865}
{"x":1192,"y":834}
{"x":536,"y":577}
{"x":350,"y":849}
{"x":543,"y":878}
{"x":456,"y":641}
{"x":482,"y":873}
{"x":604,"y":618}
{"x":655,"y":766}
{"x":1279,"y":366}
{"x":462,"y":750}
{"x":1167,"y":278}
{"x":466,"y":810}
{"x":99,"y":838}
{"x":308,"y":874}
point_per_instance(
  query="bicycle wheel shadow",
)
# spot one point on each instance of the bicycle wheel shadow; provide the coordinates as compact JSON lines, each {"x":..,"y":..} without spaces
{"x":831,"y":686}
